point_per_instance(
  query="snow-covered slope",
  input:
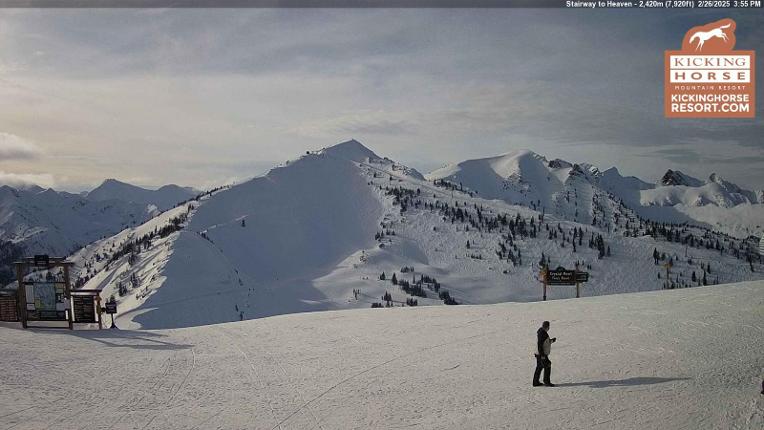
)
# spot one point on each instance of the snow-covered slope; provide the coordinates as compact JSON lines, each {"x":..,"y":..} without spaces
{"x":519,"y":177}
{"x":577,"y":192}
{"x":163,"y":198}
{"x":34,"y":220}
{"x":319,"y":232}
{"x":659,"y":360}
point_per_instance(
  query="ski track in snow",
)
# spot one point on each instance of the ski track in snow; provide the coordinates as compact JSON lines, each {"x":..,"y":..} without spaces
{"x":668,"y":359}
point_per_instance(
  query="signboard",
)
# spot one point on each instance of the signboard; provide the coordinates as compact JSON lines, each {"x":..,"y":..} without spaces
{"x":582,"y":277}
{"x":45,"y":301}
{"x":84,"y":309}
{"x":111,"y":308}
{"x":561,"y":277}
{"x":41,"y":260}
{"x":708,"y":78}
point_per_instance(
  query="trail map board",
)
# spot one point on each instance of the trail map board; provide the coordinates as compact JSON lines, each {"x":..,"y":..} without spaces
{"x":45,"y":301}
{"x":84,"y":309}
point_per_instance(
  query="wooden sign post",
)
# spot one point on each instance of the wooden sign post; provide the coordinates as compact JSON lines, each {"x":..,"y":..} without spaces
{"x":111,"y":309}
{"x":561,"y":276}
{"x":544,"y":279}
{"x":578,"y":284}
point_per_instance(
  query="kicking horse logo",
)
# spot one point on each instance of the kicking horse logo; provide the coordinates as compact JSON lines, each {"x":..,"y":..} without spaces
{"x":714,"y":38}
{"x":702,"y":36}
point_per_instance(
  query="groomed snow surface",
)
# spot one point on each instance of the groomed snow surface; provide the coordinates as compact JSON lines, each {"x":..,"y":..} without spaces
{"x":680,"y":359}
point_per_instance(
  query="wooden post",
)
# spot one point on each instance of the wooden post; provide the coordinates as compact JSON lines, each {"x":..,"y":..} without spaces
{"x":544,"y":276}
{"x":22,"y":294}
{"x":98,"y":311}
{"x":68,"y":296}
{"x":668,"y":274}
{"x":578,"y":284}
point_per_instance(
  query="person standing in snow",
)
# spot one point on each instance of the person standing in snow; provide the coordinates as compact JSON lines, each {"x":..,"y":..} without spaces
{"x":543,"y":348}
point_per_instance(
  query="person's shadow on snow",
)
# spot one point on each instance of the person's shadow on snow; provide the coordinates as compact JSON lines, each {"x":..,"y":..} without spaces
{"x":622,"y":382}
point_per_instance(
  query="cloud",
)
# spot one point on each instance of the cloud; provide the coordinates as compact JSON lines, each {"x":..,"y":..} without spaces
{"x":13,"y":147}
{"x":360,"y":123}
{"x":23,"y":180}
{"x":230,"y":91}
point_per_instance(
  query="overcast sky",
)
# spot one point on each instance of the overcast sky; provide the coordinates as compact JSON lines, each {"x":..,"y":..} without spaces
{"x":202,"y":97}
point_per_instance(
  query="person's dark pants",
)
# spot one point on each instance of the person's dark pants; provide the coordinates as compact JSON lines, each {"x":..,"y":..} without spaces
{"x":542,"y":363}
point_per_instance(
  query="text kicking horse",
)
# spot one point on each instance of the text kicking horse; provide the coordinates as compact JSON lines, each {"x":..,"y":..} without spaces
{"x":702,"y":36}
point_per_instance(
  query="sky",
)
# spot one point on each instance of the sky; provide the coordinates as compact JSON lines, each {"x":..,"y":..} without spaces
{"x":202,"y":97}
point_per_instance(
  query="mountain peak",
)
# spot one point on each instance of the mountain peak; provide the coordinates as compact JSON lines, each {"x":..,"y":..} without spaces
{"x":521,"y":153}
{"x":350,"y":150}
{"x":164,"y":197}
{"x":675,"y":177}
{"x":112,"y":181}
{"x":713,"y":177}
{"x":559,"y":164}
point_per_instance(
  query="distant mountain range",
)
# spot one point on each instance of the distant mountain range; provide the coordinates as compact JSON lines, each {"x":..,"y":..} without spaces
{"x":34,"y":220}
{"x":570,"y":191}
{"x":163,"y":198}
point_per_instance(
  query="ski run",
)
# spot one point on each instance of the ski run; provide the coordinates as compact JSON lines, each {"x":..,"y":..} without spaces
{"x":344,"y":228}
{"x":687,"y":358}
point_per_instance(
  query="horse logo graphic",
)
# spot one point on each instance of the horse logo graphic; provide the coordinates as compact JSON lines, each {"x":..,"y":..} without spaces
{"x":702,"y":36}
{"x":714,"y":38}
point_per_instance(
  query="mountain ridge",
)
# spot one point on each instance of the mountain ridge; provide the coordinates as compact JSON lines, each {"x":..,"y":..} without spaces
{"x":326,"y":232}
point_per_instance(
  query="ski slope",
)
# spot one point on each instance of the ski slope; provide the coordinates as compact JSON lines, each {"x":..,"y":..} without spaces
{"x":676,"y":359}
{"x":309,"y":233}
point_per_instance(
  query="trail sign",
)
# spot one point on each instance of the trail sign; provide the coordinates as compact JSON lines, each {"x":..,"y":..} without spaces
{"x":111,"y":307}
{"x":561,"y":277}
{"x":84,"y":309}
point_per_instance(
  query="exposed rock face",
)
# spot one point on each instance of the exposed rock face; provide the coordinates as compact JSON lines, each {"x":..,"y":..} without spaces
{"x":675,"y":177}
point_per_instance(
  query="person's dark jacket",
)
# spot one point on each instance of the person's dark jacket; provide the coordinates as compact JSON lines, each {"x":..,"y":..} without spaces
{"x":542,"y":336}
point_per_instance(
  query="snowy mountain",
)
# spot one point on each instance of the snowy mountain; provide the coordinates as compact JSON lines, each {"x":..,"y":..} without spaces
{"x":578,"y":192}
{"x":163,"y":198}
{"x":675,"y":177}
{"x":34,"y":220}
{"x":686,"y":358}
{"x":344,"y":228}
